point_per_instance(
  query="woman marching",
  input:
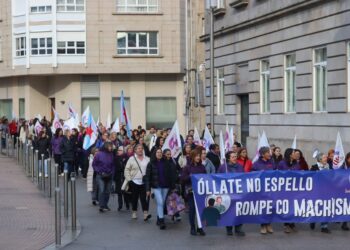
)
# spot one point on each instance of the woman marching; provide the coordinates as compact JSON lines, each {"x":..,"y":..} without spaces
{"x":195,"y":166}
{"x":161,"y":176}
{"x":120,"y":160}
{"x":232,"y":166}
{"x":134,"y":173}
{"x":56,"y":151}
{"x":262,"y":164}
{"x":289,"y":162}
{"x":104,"y":167}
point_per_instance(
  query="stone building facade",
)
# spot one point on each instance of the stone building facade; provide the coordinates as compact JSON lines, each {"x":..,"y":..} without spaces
{"x":282,"y":67}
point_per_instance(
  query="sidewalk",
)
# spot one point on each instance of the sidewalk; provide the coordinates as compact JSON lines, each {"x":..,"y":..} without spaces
{"x":26,"y":217}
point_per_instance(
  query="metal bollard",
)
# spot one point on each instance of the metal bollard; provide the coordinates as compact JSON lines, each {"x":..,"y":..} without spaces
{"x":49,"y":174}
{"x":12,"y":145}
{"x":36,"y":161}
{"x":58,"y":216}
{"x":7,"y":145}
{"x":65,"y":193}
{"x":42,"y":172}
{"x":73,"y":202}
{"x":0,"y":142}
{"x":32,"y":162}
{"x":17,"y":152}
{"x":57,"y":173}
{"x":25,"y":162}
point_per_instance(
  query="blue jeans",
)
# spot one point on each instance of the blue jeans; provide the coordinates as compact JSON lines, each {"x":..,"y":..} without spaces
{"x":160,"y":195}
{"x":104,"y":189}
{"x":45,"y":167}
{"x":68,"y":166}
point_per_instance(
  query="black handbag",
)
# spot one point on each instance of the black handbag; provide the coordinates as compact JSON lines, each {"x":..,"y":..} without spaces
{"x":106,"y":175}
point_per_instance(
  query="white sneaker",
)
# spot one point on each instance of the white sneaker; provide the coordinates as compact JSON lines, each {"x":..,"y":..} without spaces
{"x":39,"y":174}
{"x":46,"y":176}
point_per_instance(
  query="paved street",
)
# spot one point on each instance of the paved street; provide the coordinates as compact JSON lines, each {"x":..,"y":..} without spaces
{"x":115,"y":230}
{"x":26,"y":217}
{"x":26,"y":222}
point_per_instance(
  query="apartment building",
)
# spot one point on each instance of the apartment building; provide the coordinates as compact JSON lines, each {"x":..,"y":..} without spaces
{"x":59,"y":52}
{"x":282,"y":67}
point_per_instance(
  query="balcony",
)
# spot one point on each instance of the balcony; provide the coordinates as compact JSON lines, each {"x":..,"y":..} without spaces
{"x":239,"y":3}
{"x":221,"y":8}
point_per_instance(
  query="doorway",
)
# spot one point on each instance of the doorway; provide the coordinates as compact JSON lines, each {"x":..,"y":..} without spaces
{"x":244,"y":115}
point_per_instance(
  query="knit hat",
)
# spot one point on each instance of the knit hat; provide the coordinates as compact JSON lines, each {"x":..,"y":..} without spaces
{"x":263,"y":150}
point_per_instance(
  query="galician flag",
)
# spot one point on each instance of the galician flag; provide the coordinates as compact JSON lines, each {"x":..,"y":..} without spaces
{"x":173,"y":141}
{"x":197,"y":138}
{"x":90,"y":134}
{"x":339,"y":155}
{"x":263,"y":142}
{"x":124,"y":115}
{"x":207,"y":139}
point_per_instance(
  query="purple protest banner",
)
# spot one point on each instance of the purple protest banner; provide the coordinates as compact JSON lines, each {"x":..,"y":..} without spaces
{"x":273,"y":196}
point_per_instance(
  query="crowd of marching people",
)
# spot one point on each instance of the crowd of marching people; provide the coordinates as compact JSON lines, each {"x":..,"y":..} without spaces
{"x":139,"y":168}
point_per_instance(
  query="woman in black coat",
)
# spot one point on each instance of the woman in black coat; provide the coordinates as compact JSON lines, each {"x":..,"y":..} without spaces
{"x":161,"y":177}
{"x":120,"y":160}
{"x":42,"y":144}
{"x":68,"y":147}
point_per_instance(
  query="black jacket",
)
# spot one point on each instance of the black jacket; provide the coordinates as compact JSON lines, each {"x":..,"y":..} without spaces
{"x":152,"y":177}
{"x":119,"y":164}
{"x":67,"y":149}
{"x":215,"y":159}
{"x":43,"y":146}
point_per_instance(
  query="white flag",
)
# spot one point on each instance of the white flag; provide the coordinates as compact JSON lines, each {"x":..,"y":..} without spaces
{"x":70,"y":124}
{"x":196,"y":137}
{"x":85,"y":117}
{"x":14,"y":117}
{"x":222,"y":148}
{"x":56,"y":122}
{"x":294,"y":144}
{"x":173,"y":141}
{"x":116,"y":126}
{"x":39,"y":117}
{"x":227,"y":144}
{"x":231,"y":137}
{"x":263,"y":142}
{"x":108,"y":124}
{"x":37,"y":128}
{"x":339,"y":155}
{"x":207,"y":139}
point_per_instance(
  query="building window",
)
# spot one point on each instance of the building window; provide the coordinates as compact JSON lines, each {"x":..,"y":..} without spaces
{"x":70,"y":5}
{"x":71,"y":48}
{"x":289,"y":77}
{"x":41,"y":9}
{"x":41,"y":46}
{"x":116,"y":107}
{"x":143,"y":6}
{"x":160,"y":112}
{"x":220,"y":87}
{"x":21,"y":104}
{"x":320,"y":80}
{"x":137,"y":43}
{"x":90,"y":94}
{"x":6,"y":108}
{"x":265,"y":86}
{"x":21,"y":46}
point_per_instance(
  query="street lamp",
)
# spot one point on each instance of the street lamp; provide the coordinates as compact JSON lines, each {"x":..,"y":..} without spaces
{"x":211,"y":6}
